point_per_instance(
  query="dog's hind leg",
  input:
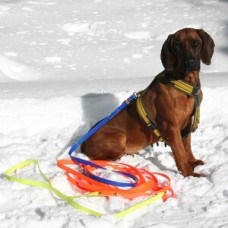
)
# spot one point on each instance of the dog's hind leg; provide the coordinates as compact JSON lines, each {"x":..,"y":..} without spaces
{"x":105,"y":146}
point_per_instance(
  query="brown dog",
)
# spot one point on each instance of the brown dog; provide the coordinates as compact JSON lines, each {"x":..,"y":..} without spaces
{"x":169,"y":110}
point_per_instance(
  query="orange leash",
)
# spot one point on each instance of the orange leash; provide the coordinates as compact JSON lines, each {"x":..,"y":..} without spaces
{"x":148,"y":183}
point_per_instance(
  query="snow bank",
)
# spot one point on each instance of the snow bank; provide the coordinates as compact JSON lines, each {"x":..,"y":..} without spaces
{"x":13,"y":70}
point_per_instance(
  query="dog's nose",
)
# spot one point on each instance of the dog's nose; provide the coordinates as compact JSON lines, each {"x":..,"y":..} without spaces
{"x":191,"y":62}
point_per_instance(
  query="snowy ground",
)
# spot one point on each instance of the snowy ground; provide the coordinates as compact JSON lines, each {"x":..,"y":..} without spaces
{"x":66,"y":64}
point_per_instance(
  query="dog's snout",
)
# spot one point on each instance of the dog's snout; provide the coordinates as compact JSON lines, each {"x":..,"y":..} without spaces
{"x":191,"y":62}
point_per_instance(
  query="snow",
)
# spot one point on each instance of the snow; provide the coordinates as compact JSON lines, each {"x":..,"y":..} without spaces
{"x":66,"y":64}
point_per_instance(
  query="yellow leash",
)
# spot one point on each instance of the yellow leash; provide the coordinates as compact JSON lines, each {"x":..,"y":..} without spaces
{"x":46,"y":184}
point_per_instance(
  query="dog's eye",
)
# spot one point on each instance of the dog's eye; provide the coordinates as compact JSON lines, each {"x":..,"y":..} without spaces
{"x":196,"y":43}
{"x":178,"y":45}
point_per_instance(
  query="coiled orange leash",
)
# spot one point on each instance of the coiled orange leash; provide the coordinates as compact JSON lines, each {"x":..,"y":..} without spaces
{"x":148,"y":183}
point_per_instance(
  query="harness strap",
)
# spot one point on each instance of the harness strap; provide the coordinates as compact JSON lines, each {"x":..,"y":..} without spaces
{"x":193,"y":91}
{"x":196,"y":119}
{"x":145,"y":117}
{"x":182,"y":86}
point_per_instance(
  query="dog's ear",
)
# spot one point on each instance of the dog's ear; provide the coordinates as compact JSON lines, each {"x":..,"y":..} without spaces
{"x":168,"y":57}
{"x":207,"y":46}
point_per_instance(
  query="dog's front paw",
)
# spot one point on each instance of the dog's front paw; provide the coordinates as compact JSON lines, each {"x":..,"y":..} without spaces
{"x":188,"y":169}
{"x":194,"y":174}
{"x":198,"y":175}
{"x":190,"y":172}
{"x":195,"y":163}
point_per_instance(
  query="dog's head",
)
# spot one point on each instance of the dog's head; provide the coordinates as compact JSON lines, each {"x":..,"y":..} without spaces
{"x":182,"y":51}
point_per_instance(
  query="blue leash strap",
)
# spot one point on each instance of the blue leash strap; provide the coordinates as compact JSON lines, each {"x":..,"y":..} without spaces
{"x":77,"y":144}
{"x":102,"y":122}
{"x":115,"y":183}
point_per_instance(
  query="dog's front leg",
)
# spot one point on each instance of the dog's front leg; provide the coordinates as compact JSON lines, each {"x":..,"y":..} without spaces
{"x":193,"y":162}
{"x":175,"y":142}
